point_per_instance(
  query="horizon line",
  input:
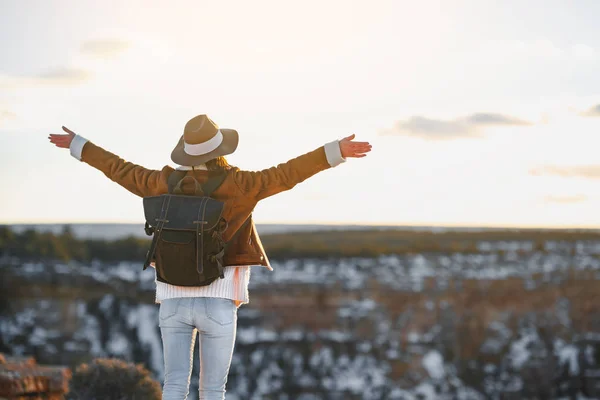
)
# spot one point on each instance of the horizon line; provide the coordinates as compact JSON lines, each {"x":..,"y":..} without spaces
{"x":329,"y":223}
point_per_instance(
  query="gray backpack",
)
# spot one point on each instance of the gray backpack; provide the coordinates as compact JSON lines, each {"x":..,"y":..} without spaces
{"x":187,"y":247}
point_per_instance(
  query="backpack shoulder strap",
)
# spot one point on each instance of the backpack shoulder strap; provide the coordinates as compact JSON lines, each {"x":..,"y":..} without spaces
{"x":213,"y":183}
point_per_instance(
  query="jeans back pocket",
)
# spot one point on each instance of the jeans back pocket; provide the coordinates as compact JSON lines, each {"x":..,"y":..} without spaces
{"x":222,"y":311}
{"x":168,"y":308}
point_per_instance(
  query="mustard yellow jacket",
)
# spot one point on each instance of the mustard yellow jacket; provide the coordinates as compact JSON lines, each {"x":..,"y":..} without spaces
{"x":240,"y":191}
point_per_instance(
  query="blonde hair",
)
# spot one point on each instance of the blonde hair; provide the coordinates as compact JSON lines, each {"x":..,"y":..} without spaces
{"x":216,"y":164}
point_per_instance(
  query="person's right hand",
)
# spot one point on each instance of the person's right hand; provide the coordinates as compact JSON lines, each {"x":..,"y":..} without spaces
{"x":62,"y":141}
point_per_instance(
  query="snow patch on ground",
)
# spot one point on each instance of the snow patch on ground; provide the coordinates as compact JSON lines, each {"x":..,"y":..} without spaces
{"x":567,"y":355}
{"x":433,"y":362}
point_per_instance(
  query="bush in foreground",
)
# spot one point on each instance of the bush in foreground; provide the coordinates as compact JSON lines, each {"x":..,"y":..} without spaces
{"x":112,"y":379}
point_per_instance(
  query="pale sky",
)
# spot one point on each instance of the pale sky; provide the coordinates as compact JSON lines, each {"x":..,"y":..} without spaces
{"x":481,"y":113}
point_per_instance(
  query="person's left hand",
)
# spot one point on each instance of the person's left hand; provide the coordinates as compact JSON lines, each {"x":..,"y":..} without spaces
{"x":62,"y":141}
{"x":350,"y":148}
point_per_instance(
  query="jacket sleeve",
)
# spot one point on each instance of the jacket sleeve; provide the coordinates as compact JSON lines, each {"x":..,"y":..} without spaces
{"x":138,"y":180}
{"x":262,"y":184}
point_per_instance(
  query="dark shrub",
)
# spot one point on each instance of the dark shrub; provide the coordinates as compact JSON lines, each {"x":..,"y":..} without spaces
{"x":112,"y":379}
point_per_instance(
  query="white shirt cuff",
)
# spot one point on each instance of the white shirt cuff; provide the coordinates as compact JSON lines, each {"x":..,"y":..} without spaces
{"x":333,"y":153}
{"x":77,"y":146}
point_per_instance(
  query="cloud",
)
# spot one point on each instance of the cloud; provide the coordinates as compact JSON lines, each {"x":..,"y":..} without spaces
{"x":465,"y":127}
{"x":67,"y":76}
{"x":565,"y":199}
{"x":579,"y":171}
{"x":485,"y":119}
{"x":62,"y":76}
{"x":6,"y":116}
{"x":104,"y":48}
{"x":592,"y":112}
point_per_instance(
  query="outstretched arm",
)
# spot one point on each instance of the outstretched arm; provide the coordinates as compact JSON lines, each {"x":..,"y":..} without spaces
{"x":265,"y":183}
{"x":138,"y":180}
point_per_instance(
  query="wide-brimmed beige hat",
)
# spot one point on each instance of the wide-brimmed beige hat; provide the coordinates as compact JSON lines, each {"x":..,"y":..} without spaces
{"x":202,"y":141}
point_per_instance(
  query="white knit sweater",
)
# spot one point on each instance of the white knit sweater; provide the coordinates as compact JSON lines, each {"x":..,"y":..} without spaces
{"x":234,"y":285}
{"x":230,"y":287}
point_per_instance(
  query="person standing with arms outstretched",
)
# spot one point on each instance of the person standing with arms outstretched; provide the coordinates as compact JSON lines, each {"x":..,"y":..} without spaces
{"x":210,"y":310}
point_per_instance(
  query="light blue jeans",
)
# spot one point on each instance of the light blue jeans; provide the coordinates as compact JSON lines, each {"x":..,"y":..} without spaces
{"x":215,"y":319}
